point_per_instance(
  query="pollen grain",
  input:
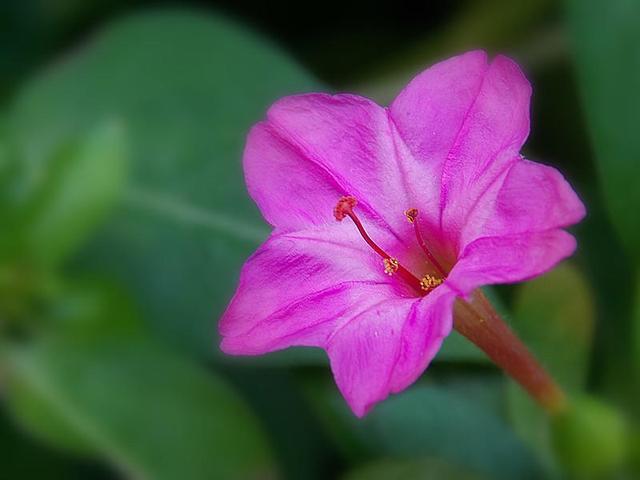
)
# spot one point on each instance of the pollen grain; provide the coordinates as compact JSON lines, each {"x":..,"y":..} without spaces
{"x":429,"y":282}
{"x":391,"y":265}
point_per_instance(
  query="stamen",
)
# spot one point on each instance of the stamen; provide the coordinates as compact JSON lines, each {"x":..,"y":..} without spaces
{"x":412,"y":217}
{"x":429,"y":282}
{"x":391,"y":265}
{"x":411,"y":214}
{"x":344,"y":208}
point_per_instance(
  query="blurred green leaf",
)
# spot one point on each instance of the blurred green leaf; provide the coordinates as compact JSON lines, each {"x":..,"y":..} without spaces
{"x":85,"y":185}
{"x":297,"y":437}
{"x":9,"y":236}
{"x":188,"y":87}
{"x":4,"y":153}
{"x":612,"y":277}
{"x":591,"y":438}
{"x":456,"y":348}
{"x":289,"y":357}
{"x":78,"y":312}
{"x":89,"y":309}
{"x":25,"y":459}
{"x":608,"y":65}
{"x":636,"y":336}
{"x":554,"y":315}
{"x":150,"y":411}
{"x":420,"y":469}
{"x":434,"y":421}
{"x":92,"y":380}
{"x":428,"y":420}
{"x":43,"y":420}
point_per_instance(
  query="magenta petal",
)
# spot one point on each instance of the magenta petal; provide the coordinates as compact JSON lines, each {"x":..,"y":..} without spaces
{"x":314,"y":148}
{"x":429,"y":114}
{"x":464,"y":120}
{"x":387,"y":346}
{"x":291,"y":191}
{"x":529,"y":197}
{"x":488,"y":142}
{"x":430,"y":111}
{"x":296,"y":287}
{"x":507,"y":259}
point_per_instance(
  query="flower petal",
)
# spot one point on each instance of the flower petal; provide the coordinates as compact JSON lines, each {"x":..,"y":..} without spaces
{"x":312,"y":149}
{"x":295,"y":288}
{"x":529,"y":197}
{"x":506,"y":259}
{"x":465,"y":121}
{"x":387,"y":346}
{"x":291,"y":191}
{"x":495,"y":128}
{"x":429,"y":114}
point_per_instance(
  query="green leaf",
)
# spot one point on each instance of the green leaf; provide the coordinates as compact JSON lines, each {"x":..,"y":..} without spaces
{"x":188,"y":86}
{"x":81,"y":188}
{"x":636,"y":337}
{"x":456,"y":348}
{"x":608,"y":66}
{"x":92,"y":380}
{"x":290,"y":357}
{"x":24,"y":459}
{"x":591,"y":438}
{"x":434,"y":421}
{"x":612,"y":277}
{"x":86,"y":310}
{"x":9,"y":211}
{"x":148,"y":410}
{"x":420,"y":469}
{"x":43,"y":420}
{"x":554,"y":315}
{"x":5,"y":160}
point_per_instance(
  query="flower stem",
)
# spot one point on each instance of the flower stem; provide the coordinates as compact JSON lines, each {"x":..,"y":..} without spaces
{"x":480,"y":323}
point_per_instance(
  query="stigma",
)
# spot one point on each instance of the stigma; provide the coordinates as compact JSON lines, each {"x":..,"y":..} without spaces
{"x":392,"y":266}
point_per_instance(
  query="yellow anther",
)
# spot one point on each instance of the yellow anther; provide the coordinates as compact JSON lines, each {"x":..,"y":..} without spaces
{"x":429,"y":282}
{"x":411,"y":214}
{"x":390,"y":265}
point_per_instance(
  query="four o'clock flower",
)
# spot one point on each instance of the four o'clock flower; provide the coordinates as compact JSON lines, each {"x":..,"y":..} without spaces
{"x":384,"y":218}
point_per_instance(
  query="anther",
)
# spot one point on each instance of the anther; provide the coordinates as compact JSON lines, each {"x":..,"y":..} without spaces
{"x":411,"y":214}
{"x":429,"y":282}
{"x":391,"y":265}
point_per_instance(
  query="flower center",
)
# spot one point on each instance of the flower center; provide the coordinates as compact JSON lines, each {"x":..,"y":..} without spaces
{"x":344,"y":208}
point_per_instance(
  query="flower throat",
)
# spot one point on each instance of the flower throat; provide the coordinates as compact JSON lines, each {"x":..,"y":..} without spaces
{"x":344,"y":208}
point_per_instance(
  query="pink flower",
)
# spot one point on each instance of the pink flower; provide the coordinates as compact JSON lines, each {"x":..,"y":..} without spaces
{"x":439,"y":200}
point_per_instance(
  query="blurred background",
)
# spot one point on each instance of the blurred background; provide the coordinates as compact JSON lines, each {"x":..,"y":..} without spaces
{"x":124,"y":221}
